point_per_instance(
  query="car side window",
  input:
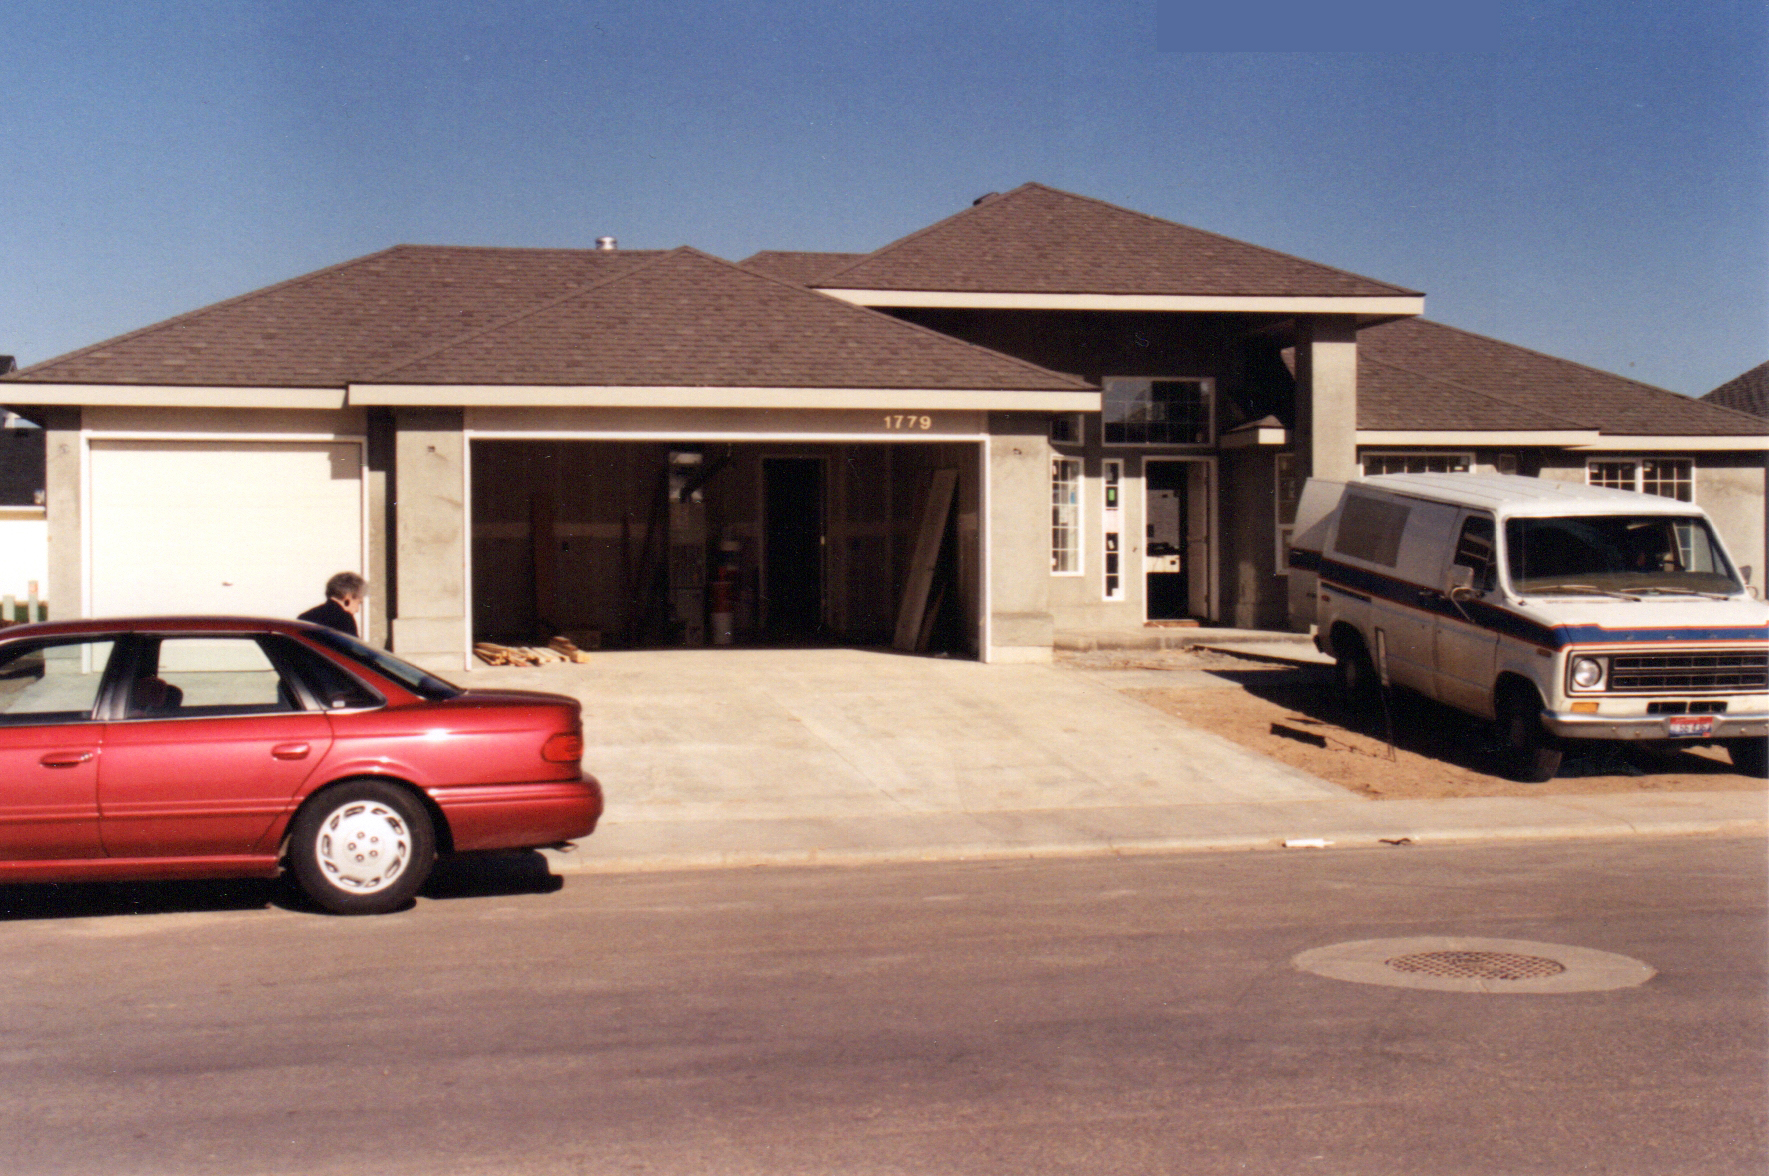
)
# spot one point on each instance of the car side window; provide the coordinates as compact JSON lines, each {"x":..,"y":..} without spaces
{"x":196,"y":677}
{"x":53,"y":682}
{"x":1474,"y":549}
{"x":330,"y":685}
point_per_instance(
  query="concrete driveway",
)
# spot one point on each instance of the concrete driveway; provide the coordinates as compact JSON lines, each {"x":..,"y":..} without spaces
{"x":751,"y":735}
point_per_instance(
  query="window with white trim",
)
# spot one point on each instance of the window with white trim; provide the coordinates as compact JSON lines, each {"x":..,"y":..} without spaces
{"x":1667,"y":477}
{"x":1138,"y":411}
{"x":1065,"y":516}
{"x":1417,"y":463}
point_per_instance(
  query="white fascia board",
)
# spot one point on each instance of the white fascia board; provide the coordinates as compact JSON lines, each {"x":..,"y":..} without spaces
{"x":169,"y":395}
{"x":1562,"y":438}
{"x":547,"y":396}
{"x":1401,"y":305}
{"x":1614,"y":444}
{"x":1248,"y":438}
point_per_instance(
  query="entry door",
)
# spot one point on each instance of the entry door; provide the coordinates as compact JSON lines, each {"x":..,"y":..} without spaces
{"x":793,"y":542}
{"x":1164,"y":539}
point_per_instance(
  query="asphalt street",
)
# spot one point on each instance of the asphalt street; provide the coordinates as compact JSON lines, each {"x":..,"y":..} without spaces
{"x":1102,"y":1015}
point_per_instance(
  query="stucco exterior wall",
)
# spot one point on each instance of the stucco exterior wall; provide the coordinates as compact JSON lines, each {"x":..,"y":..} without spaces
{"x":1021,"y":628}
{"x":430,"y":536}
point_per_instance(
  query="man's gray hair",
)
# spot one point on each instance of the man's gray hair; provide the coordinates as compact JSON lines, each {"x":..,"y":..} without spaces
{"x":345,"y":585}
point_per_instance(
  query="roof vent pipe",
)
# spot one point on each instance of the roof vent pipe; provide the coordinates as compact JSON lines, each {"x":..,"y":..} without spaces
{"x":607,"y":244}
{"x":984,"y":198}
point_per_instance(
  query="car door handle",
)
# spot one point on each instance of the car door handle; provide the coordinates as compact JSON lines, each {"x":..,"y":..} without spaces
{"x":66,"y":759}
{"x":291,"y":751}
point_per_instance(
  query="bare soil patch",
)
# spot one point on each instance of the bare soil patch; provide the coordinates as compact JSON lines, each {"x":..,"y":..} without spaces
{"x":1293,"y":714}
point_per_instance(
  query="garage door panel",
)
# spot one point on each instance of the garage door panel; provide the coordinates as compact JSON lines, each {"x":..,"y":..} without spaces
{"x":212,"y":527}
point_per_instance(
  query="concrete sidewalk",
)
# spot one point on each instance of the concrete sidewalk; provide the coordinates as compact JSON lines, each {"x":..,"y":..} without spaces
{"x":762,"y":756}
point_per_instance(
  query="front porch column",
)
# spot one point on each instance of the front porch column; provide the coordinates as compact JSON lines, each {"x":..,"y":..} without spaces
{"x":1021,"y":628}
{"x":61,"y":497}
{"x":430,"y":538}
{"x":1326,"y":395}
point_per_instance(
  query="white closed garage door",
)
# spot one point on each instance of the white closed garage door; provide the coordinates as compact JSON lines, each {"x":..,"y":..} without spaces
{"x":232,"y":528}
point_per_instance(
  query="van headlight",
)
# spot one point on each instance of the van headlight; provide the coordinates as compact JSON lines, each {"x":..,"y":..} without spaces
{"x":1587,"y":673}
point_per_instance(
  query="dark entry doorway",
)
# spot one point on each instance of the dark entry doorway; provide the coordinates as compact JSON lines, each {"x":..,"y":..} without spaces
{"x":1165,"y":559}
{"x":792,"y":580}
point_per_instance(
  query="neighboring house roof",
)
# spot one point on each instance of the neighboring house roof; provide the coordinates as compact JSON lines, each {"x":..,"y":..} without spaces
{"x":1036,"y":239}
{"x":326,"y":328}
{"x":687,"y":318}
{"x":801,"y":268}
{"x":1746,"y":393}
{"x":1417,"y":370}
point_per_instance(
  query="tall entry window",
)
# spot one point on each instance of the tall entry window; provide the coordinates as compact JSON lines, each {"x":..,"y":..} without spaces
{"x":1158,"y":412}
{"x":1065,"y":516}
{"x":1112,"y":528}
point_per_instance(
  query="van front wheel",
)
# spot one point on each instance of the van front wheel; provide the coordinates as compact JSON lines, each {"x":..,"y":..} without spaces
{"x":1525,"y":750}
{"x":1750,"y":757}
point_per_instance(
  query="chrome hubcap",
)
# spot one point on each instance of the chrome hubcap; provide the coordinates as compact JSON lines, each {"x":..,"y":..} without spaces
{"x":363,"y":846}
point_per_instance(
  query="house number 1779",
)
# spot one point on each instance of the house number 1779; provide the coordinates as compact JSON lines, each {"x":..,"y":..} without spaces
{"x":908,"y":421}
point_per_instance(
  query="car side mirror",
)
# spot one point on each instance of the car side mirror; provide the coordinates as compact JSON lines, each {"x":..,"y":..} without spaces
{"x":1460,"y":581}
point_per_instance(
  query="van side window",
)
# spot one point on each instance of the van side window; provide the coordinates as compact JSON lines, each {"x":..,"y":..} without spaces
{"x":1474,"y":549}
{"x":1370,"y":529}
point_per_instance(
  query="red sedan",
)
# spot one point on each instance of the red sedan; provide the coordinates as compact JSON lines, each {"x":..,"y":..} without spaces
{"x":203,"y":747}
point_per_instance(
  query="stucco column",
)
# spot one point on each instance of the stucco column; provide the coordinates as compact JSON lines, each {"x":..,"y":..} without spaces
{"x":61,"y":497}
{"x":430,"y":538}
{"x":1020,"y":624}
{"x":1326,"y":395}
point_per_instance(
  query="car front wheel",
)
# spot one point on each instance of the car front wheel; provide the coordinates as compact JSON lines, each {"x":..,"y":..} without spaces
{"x":1750,"y":757}
{"x":361,"y":848}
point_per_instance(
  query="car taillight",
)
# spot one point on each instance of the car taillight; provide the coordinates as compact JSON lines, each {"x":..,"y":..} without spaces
{"x":564,"y":748}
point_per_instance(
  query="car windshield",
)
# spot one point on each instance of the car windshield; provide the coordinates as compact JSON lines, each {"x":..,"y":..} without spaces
{"x":1624,"y":555}
{"x":419,"y":682}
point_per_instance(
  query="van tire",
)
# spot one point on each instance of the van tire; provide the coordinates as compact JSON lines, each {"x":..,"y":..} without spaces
{"x":1750,"y":757}
{"x":1355,"y":674}
{"x":1526,"y":752}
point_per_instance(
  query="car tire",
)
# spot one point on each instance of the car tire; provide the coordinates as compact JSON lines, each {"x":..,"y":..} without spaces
{"x":1750,"y":757}
{"x":1355,"y":675}
{"x":1526,"y":752}
{"x":362,"y":847}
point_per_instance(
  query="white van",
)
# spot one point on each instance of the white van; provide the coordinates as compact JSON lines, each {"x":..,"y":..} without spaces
{"x":1559,"y":610}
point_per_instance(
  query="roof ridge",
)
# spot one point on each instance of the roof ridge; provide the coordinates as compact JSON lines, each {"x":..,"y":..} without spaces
{"x":500,"y":324}
{"x":796,"y":289}
{"x":163,"y":324}
{"x":1461,"y":387}
{"x":1032,"y":185}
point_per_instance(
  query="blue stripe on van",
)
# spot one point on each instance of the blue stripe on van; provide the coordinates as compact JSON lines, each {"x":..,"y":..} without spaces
{"x":1363,"y":582}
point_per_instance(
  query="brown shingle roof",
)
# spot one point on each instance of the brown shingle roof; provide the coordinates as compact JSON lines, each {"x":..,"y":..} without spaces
{"x":1746,"y":393}
{"x":1393,"y":398}
{"x":1036,"y":239}
{"x":802,"y":269}
{"x":1537,"y":386}
{"x":329,"y":327}
{"x":686,"y":318}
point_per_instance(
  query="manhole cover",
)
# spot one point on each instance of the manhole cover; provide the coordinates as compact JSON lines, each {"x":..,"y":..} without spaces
{"x":1478,"y":965}
{"x":1461,"y":964}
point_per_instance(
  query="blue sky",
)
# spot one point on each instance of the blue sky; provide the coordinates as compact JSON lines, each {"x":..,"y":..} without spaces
{"x":1584,"y":177}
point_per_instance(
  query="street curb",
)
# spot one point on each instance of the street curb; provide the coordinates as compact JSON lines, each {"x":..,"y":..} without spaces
{"x":577,"y":862}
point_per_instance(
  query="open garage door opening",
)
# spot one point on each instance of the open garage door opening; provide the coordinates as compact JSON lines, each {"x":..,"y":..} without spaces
{"x":630,"y":544}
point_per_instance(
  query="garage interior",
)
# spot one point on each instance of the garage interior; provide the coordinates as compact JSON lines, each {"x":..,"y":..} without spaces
{"x":655,"y":544}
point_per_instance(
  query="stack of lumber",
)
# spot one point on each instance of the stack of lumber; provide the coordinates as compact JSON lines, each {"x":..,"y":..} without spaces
{"x":556,"y":650}
{"x":566,"y":648}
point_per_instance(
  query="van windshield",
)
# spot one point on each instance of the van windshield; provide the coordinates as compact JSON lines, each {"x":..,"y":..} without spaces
{"x":1628,"y":554}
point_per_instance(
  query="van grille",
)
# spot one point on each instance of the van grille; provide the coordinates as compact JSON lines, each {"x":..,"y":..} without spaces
{"x":1720,"y":670}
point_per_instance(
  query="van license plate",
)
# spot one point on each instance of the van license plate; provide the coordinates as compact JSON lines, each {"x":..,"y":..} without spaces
{"x":1684,"y":726}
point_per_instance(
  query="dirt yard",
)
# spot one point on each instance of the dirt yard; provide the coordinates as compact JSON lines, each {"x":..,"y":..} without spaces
{"x":1293,"y":714}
